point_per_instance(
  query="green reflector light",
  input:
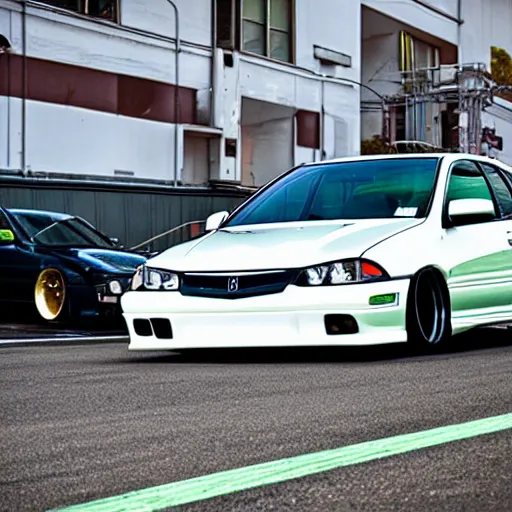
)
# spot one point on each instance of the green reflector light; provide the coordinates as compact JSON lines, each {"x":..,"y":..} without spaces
{"x":6,"y":235}
{"x":379,"y":300}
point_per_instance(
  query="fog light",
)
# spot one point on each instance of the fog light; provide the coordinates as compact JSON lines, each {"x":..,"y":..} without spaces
{"x":162,"y":328}
{"x":142,"y":327}
{"x":340,"y":324}
{"x":115,"y":287}
{"x":383,"y":300}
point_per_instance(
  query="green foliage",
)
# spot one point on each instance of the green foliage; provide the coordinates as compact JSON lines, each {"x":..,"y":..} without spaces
{"x":501,"y":69}
{"x":375,"y":146}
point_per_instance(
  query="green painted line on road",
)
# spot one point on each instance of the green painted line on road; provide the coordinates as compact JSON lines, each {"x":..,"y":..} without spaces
{"x":241,"y":479}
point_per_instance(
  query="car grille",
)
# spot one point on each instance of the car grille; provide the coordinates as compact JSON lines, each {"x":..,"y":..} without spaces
{"x":236,"y":286}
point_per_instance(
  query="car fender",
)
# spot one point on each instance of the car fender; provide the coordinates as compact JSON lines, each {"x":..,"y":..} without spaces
{"x":74,"y":272}
{"x":405,"y":253}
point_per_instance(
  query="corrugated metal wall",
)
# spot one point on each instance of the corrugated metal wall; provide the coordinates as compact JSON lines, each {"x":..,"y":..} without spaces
{"x":130,"y":215}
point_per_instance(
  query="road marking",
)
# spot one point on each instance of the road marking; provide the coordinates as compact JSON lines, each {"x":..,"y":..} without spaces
{"x":241,"y":479}
{"x":60,"y":339}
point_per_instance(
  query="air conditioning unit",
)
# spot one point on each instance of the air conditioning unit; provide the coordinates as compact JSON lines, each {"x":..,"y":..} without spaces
{"x":447,"y":75}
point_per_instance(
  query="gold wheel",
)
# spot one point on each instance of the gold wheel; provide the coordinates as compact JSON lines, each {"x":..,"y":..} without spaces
{"x":50,"y":293}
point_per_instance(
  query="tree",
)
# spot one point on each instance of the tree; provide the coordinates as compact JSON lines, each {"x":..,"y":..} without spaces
{"x":375,"y":146}
{"x":501,"y":69}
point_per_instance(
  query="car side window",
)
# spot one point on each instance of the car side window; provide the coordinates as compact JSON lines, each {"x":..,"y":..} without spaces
{"x":467,"y":182}
{"x":6,"y":233}
{"x":507,"y":176}
{"x":501,"y":189}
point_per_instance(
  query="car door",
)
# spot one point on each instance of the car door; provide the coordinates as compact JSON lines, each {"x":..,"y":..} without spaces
{"x":7,"y":251}
{"x":478,"y":252}
{"x":19,"y":266}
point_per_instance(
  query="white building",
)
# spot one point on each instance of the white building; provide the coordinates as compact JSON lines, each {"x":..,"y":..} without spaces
{"x":88,"y":88}
{"x":403,"y":35}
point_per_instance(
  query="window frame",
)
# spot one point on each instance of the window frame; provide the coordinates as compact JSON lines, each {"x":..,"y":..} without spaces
{"x":81,"y":11}
{"x":6,"y":223}
{"x":504,"y":173}
{"x":508,"y":184}
{"x":291,"y":33}
{"x":446,"y":223}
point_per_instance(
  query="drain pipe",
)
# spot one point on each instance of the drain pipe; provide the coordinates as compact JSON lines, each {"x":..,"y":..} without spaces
{"x":25,"y":88}
{"x":6,"y":50}
{"x":176,"y":91}
{"x":213,"y":69}
{"x":459,"y":31}
{"x":322,"y":121}
{"x":213,"y":79}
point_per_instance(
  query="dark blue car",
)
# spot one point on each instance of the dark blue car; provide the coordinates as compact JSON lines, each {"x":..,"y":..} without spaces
{"x":61,"y":265}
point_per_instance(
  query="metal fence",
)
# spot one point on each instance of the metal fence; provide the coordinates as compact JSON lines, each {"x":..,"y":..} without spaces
{"x":132,"y":215}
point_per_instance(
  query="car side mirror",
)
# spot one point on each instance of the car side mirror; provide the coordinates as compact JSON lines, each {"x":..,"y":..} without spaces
{"x":215,"y":220}
{"x":6,"y":237}
{"x":472,"y":210}
{"x":115,"y":241}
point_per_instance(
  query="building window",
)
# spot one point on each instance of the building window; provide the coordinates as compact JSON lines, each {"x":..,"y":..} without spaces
{"x":267,"y":28}
{"x":105,"y":9}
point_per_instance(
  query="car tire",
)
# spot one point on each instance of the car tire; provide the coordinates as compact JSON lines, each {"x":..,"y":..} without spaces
{"x":428,"y":316}
{"x":50,"y":295}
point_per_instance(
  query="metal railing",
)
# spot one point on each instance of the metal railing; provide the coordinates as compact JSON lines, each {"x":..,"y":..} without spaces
{"x":176,"y":239}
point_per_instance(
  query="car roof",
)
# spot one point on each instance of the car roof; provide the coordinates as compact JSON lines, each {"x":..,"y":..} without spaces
{"x":40,"y":213}
{"x":449,"y":156}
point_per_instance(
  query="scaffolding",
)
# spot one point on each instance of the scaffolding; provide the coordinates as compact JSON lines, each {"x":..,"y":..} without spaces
{"x":467,"y":88}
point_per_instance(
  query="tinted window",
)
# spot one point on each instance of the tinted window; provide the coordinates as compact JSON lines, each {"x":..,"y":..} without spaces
{"x":501,"y":190}
{"x":72,"y":232}
{"x":4,"y":223}
{"x":467,"y":182}
{"x":508,"y":177}
{"x":366,"y":189}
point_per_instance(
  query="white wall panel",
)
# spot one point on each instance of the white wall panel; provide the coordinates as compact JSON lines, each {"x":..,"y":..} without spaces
{"x":79,"y":141}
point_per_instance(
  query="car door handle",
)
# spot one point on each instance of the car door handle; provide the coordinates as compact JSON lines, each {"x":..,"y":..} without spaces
{"x":509,"y":237}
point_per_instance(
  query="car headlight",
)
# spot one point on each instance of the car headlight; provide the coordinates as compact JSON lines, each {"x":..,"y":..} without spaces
{"x":115,"y":288}
{"x":341,"y":272}
{"x":148,"y":278}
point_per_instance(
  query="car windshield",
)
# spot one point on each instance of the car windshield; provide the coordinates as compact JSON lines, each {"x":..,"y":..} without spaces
{"x":71,"y":232}
{"x":364,"y":189}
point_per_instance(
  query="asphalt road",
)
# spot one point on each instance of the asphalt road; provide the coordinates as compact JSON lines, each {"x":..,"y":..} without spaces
{"x":85,"y":422}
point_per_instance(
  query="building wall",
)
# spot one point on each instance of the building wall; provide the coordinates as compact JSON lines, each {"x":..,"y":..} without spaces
{"x":380,"y":64}
{"x":298,"y":87}
{"x":131,"y":214}
{"x":267,"y":136}
{"x":499,"y":117}
{"x":416,"y":14}
{"x":380,"y":69}
{"x":81,"y":141}
{"x":486,"y":23}
{"x":84,"y":141}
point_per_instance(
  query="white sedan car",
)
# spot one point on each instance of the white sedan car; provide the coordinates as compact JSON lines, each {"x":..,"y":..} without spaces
{"x":355,"y":251}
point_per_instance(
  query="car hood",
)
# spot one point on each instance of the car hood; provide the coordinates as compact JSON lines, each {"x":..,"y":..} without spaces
{"x":284,"y":245}
{"x":105,"y":260}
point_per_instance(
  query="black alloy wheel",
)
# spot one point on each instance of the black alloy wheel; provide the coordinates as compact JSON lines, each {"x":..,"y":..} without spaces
{"x":428,"y":311}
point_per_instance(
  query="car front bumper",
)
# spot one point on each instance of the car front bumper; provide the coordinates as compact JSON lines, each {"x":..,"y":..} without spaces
{"x":295,"y":317}
{"x":87,"y":303}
